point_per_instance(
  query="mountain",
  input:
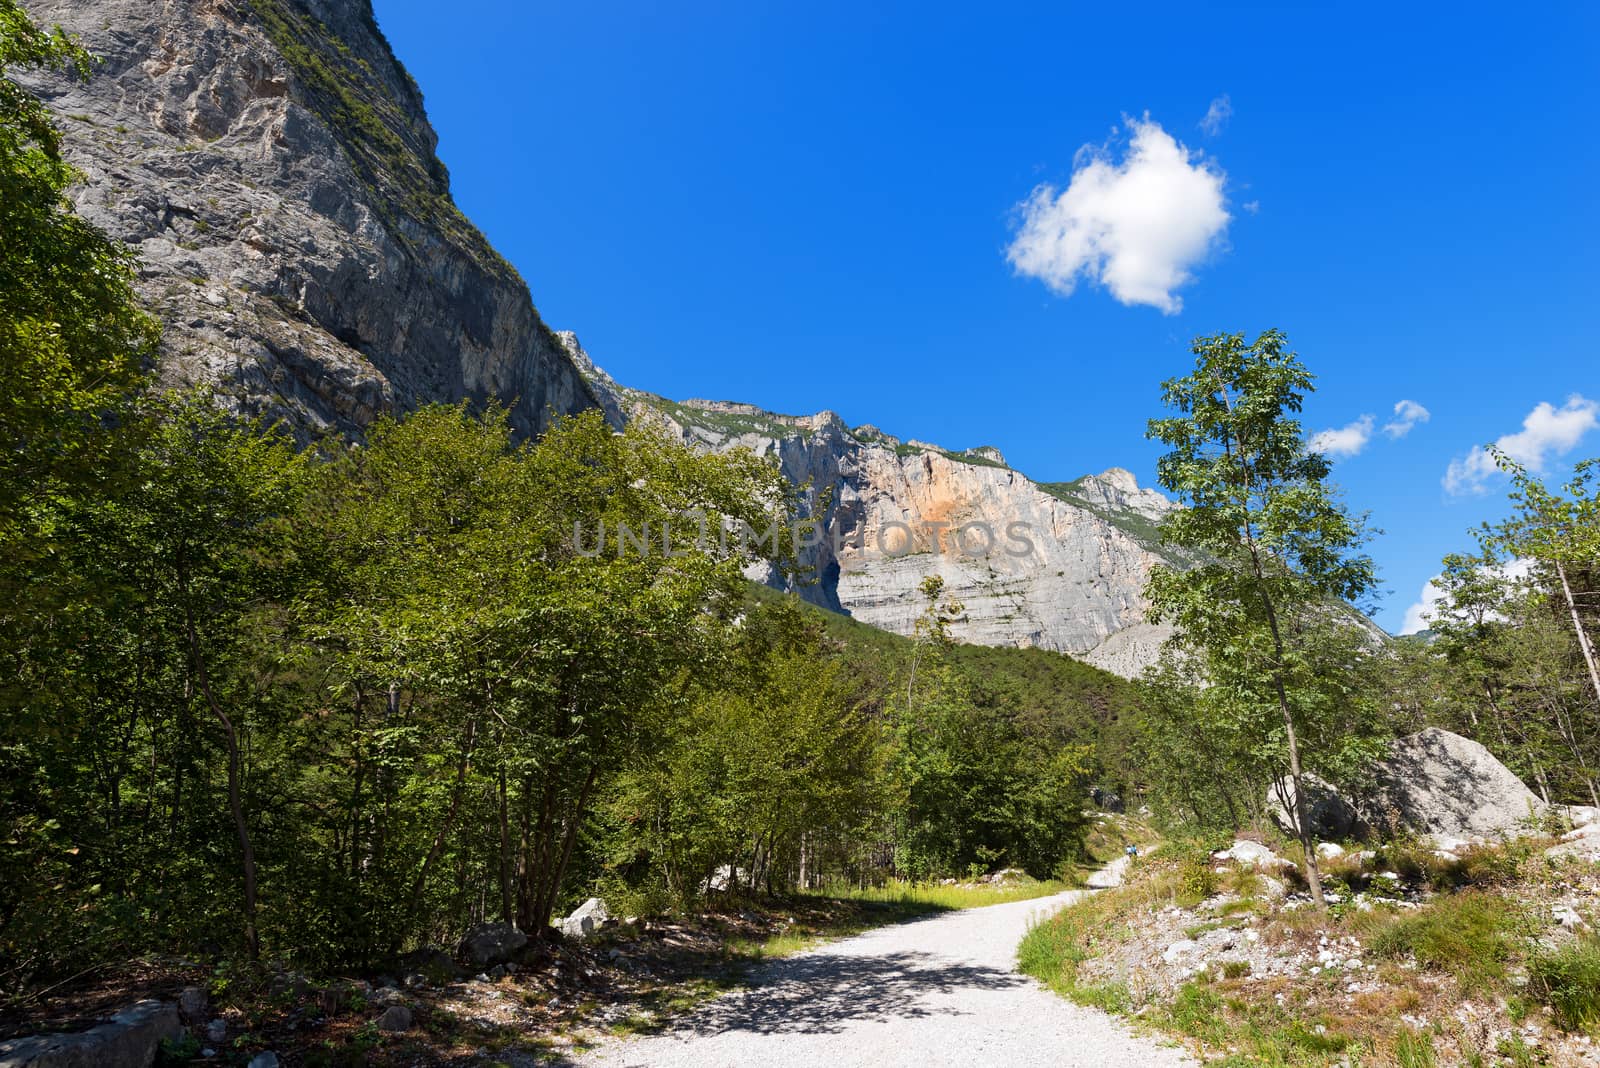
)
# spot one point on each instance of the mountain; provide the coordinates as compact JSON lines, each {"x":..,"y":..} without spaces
{"x":1055,"y":565}
{"x":272,"y":163}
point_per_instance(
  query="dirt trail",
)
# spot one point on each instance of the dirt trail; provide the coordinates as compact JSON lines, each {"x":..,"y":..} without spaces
{"x":937,"y":991}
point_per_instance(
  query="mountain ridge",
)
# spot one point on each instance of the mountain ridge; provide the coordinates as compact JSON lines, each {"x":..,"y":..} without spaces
{"x":1103,"y":527}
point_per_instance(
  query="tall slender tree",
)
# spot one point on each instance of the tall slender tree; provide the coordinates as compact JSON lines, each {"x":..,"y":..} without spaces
{"x":1561,"y":533}
{"x":1259,"y":614}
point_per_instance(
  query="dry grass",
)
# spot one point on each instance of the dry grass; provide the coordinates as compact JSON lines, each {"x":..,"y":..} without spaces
{"x":1451,"y":973}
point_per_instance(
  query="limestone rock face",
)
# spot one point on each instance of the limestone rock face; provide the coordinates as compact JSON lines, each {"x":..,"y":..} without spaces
{"x":1060,"y":566}
{"x":271,"y":163}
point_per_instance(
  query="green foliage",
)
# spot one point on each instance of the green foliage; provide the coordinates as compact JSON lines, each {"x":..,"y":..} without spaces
{"x":1504,"y":667}
{"x":1261,"y":616}
{"x":1568,"y":980}
{"x":903,"y":892}
{"x":72,"y":340}
{"x":772,"y":774}
{"x":981,"y":789}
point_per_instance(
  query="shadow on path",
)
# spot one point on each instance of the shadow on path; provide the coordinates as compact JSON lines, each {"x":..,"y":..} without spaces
{"x":821,"y":993}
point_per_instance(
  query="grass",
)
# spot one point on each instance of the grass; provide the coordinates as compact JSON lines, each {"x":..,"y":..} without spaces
{"x":878,"y":906}
{"x":936,"y":897}
{"x":1474,"y":927}
{"x":1470,"y":935}
{"x":1568,"y":980}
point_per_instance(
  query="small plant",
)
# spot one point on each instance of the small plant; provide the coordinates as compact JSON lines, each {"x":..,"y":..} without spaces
{"x":1414,"y":1049}
{"x":180,"y":1050}
{"x":1196,"y":881}
{"x":1235,"y":969}
{"x":1468,"y":935}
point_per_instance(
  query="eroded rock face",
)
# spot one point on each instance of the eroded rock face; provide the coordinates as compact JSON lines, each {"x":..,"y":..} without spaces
{"x":1059,"y":566}
{"x":272,"y":164}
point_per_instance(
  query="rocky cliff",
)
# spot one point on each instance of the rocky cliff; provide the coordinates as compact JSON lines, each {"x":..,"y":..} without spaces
{"x":272,"y":163}
{"x":1059,"y":565}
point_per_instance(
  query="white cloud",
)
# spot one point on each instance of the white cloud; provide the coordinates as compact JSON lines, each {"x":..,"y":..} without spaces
{"x":1217,"y":115}
{"x":1137,"y":226}
{"x":1547,"y":432}
{"x":1419,"y":616}
{"x":1343,"y":440}
{"x":1407,"y":414}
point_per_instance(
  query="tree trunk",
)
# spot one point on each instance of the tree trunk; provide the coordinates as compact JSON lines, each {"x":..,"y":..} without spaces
{"x":506,"y":913}
{"x":437,"y":847}
{"x":1577,"y":628}
{"x":1297,"y":810}
{"x":247,"y":851}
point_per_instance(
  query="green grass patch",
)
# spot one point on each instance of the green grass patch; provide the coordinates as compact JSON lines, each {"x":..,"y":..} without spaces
{"x":1568,"y":980}
{"x":935,"y":896}
{"x":1470,"y":935}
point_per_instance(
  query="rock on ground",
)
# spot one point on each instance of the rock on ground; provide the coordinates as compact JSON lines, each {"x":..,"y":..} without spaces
{"x":942,"y":991}
{"x":586,"y":919}
{"x":1326,"y":811}
{"x":128,"y":1040}
{"x":395,"y":1018}
{"x":1439,"y":783}
{"x":490,"y":943}
{"x":1583,"y":843}
{"x":1250,"y":855}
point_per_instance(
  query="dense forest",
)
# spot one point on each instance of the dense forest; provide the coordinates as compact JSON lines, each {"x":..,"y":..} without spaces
{"x":325,"y":701}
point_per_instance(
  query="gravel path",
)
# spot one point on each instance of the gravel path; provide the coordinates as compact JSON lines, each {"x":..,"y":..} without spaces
{"x":937,"y":991}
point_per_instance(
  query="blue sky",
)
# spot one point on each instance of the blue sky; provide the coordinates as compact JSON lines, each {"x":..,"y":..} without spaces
{"x":826,"y":206}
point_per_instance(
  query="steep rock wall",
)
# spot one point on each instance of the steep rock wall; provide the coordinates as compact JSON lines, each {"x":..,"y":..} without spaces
{"x":271,"y":162}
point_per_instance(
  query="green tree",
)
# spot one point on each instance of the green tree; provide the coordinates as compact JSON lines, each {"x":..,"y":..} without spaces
{"x":977,"y":787}
{"x":1260,"y":614}
{"x":1561,"y":532}
{"x":770,"y":771}
{"x":521,"y":607}
{"x":73,"y":341}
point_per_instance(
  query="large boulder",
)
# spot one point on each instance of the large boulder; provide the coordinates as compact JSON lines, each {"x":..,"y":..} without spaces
{"x":490,"y":943}
{"x":1248,"y":854}
{"x":130,"y":1039}
{"x":1441,"y":784}
{"x":433,"y":963}
{"x":586,"y":919}
{"x":1325,"y":810}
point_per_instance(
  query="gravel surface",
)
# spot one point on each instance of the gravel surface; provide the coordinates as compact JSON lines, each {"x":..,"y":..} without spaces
{"x":937,"y":991}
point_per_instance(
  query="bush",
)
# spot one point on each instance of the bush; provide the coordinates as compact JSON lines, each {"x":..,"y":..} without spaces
{"x":1568,"y":980}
